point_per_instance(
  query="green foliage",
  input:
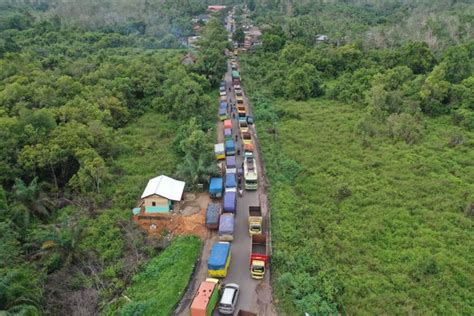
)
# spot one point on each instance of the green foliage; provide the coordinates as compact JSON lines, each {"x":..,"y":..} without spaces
{"x":151,"y":292}
{"x":239,"y":36}
{"x":363,"y":217}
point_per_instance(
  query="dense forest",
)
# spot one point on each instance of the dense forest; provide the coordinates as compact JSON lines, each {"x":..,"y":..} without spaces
{"x":89,"y":113}
{"x":369,"y":150}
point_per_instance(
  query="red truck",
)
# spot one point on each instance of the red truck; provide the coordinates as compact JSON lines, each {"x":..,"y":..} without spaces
{"x":258,"y":256}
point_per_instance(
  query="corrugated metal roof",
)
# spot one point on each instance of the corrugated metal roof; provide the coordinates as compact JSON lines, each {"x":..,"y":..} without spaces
{"x":166,"y":187}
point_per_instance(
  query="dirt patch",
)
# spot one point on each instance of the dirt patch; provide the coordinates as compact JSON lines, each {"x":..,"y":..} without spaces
{"x":188,"y":218}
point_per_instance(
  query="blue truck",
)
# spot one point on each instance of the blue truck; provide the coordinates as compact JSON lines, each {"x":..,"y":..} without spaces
{"x":216,"y":186}
{"x":213,"y":213}
{"x":229,"y":148}
{"x":230,"y":180}
{"x":230,"y":202}
{"x":219,"y":260}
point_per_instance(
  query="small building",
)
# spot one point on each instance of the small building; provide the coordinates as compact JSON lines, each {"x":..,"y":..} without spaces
{"x":216,"y":8}
{"x":188,"y":59}
{"x":193,"y":41}
{"x":160,"y":193}
{"x":321,"y":38}
{"x":201,"y":18}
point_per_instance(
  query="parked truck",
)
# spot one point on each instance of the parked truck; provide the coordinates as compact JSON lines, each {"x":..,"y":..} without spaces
{"x":223,"y":113}
{"x":243,"y":126}
{"x":258,"y":256}
{"x":230,"y":202}
{"x":226,"y":227}
{"x":250,"y":174}
{"x":229,"y":148}
{"x":227,"y":134}
{"x":246,"y":137}
{"x":228,"y":124}
{"x":215,"y":188}
{"x":235,"y":77}
{"x":248,"y":150}
{"x":219,"y":151}
{"x":255,"y":220}
{"x":219,"y":260}
{"x":213,"y":213}
{"x":206,"y":298}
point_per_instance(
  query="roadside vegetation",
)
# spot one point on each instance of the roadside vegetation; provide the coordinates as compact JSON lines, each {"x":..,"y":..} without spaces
{"x":152,"y":292}
{"x":369,"y":156}
{"x":87,"y":115}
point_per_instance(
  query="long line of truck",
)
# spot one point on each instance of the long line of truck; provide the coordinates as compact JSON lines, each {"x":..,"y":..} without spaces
{"x":221,"y":212}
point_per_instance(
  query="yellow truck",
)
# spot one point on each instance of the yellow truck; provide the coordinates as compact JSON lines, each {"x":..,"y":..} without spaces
{"x":219,"y":260}
{"x":255,"y":220}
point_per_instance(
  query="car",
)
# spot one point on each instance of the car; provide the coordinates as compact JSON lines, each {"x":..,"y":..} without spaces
{"x":228,"y":302}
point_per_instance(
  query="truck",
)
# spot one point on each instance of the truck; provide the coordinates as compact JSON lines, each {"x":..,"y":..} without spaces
{"x":255,"y":220}
{"x":219,"y":259}
{"x":246,"y":137}
{"x":223,"y":114}
{"x":250,"y":174}
{"x":248,"y":150}
{"x":219,"y":151}
{"x":242,"y":112}
{"x":230,"y":180}
{"x":226,"y":227}
{"x":235,"y":77}
{"x":206,"y":298}
{"x":228,"y":124}
{"x":258,"y":256}
{"x":213,"y":213}
{"x":230,"y":162}
{"x":243,"y":126}
{"x":215,"y":188}
{"x":227,"y":134}
{"x":230,"y":202}
{"x":229,"y":148}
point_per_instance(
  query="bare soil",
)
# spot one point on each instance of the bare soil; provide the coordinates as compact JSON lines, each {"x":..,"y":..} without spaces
{"x":188,"y":218}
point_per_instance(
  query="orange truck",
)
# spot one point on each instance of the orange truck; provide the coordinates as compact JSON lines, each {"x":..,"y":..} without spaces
{"x":206,"y":298}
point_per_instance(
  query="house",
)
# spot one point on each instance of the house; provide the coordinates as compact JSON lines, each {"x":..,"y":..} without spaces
{"x":193,"y":40}
{"x":188,"y":59}
{"x":216,"y":8}
{"x":160,"y":193}
{"x":321,"y":38}
{"x":201,"y":17}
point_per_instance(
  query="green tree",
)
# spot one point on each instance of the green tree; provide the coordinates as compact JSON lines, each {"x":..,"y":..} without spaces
{"x":239,"y":36}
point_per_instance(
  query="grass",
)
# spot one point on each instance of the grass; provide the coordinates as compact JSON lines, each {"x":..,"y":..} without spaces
{"x":158,"y":287}
{"x":370,"y":226}
{"x":147,"y":152}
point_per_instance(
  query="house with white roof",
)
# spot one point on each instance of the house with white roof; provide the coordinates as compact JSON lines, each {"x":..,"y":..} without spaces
{"x":159,"y":195}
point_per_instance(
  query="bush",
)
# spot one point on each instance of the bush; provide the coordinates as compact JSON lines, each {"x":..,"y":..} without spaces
{"x":404,"y":126}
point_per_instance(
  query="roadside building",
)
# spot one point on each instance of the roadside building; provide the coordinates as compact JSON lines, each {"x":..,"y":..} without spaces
{"x":159,"y":195}
{"x":322,"y":38}
{"x":216,"y":8}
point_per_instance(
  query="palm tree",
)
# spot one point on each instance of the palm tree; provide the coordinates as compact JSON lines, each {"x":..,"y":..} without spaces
{"x":31,"y":197}
{"x":195,"y":171}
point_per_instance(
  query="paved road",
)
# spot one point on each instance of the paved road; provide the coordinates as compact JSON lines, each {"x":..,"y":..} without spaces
{"x":255,"y":296}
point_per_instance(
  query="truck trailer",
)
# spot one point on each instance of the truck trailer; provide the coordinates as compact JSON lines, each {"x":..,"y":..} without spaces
{"x":255,"y":220}
{"x":230,"y":202}
{"x":226,"y":227}
{"x":219,"y":260}
{"x":206,"y":298}
{"x":219,"y":151}
{"x":246,"y":137}
{"x":229,"y":147}
{"x":258,"y":256}
{"x":213,"y":213}
{"x":216,"y":186}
